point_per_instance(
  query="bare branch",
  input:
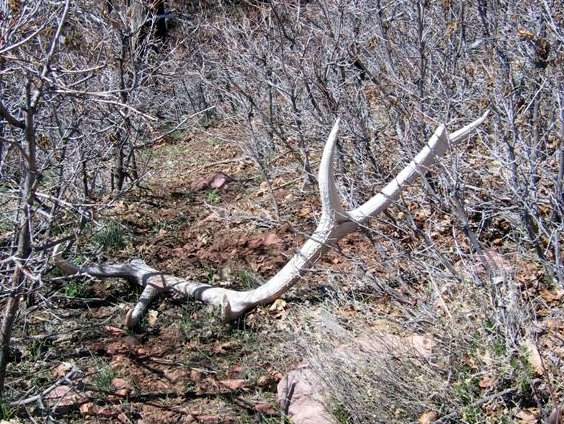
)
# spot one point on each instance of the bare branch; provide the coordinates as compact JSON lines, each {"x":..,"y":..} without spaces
{"x":4,"y":113}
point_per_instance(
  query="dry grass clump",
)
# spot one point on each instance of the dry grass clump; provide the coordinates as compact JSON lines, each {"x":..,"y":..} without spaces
{"x":473,"y":356}
{"x":371,"y":377}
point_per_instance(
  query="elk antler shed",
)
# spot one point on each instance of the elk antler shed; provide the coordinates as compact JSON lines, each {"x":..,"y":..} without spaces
{"x":334,"y":224}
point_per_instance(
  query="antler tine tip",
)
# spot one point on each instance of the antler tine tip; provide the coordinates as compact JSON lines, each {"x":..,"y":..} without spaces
{"x":481,"y":119}
{"x":336,"y":125}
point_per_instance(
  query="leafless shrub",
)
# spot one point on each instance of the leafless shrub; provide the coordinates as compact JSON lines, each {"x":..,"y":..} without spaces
{"x":78,"y":97}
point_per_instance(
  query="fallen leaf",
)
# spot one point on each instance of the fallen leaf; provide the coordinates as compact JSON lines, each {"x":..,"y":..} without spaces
{"x":305,"y":212}
{"x":62,"y":369}
{"x":236,"y":370}
{"x":278,"y":305}
{"x":103,"y":312}
{"x":224,"y":347}
{"x":122,"y":418}
{"x":107,"y":412}
{"x":525,"y":34}
{"x":120,"y":383}
{"x":87,"y":408}
{"x":534,"y":357}
{"x":527,"y":416}
{"x":554,"y":324}
{"x":195,"y":375}
{"x":264,"y":408}
{"x":552,"y":295}
{"x":263,"y":186}
{"x":152,"y":316}
{"x":272,"y":239}
{"x":214,"y":216}
{"x":266,"y":380}
{"x":487,"y":382}
{"x":427,"y":417}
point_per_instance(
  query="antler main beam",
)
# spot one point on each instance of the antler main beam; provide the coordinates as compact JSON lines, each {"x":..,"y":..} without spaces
{"x":334,"y":224}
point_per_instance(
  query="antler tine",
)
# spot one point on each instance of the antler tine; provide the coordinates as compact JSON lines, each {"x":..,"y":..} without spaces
{"x":330,"y":197}
{"x":436,"y":146}
{"x":465,"y":132}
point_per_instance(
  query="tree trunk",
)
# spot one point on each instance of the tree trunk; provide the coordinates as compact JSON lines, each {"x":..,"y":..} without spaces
{"x":29,"y":176}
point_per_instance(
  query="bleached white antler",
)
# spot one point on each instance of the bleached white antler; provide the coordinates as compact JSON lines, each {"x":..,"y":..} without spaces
{"x":334,"y":224}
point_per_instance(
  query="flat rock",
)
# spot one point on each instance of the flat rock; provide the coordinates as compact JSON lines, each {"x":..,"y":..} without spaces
{"x":63,"y":399}
{"x":303,"y":395}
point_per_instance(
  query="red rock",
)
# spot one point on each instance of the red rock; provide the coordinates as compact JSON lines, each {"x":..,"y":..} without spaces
{"x":107,"y":412}
{"x":265,"y":408}
{"x":120,"y":383}
{"x":219,"y":180}
{"x":122,"y":418}
{"x":114,"y":331}
{"x":175,"y":376}
{"x":63,"y":399}
{"x":234,"y":384}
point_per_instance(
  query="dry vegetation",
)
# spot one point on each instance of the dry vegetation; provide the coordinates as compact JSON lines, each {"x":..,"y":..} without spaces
{"x":447,"y":308}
